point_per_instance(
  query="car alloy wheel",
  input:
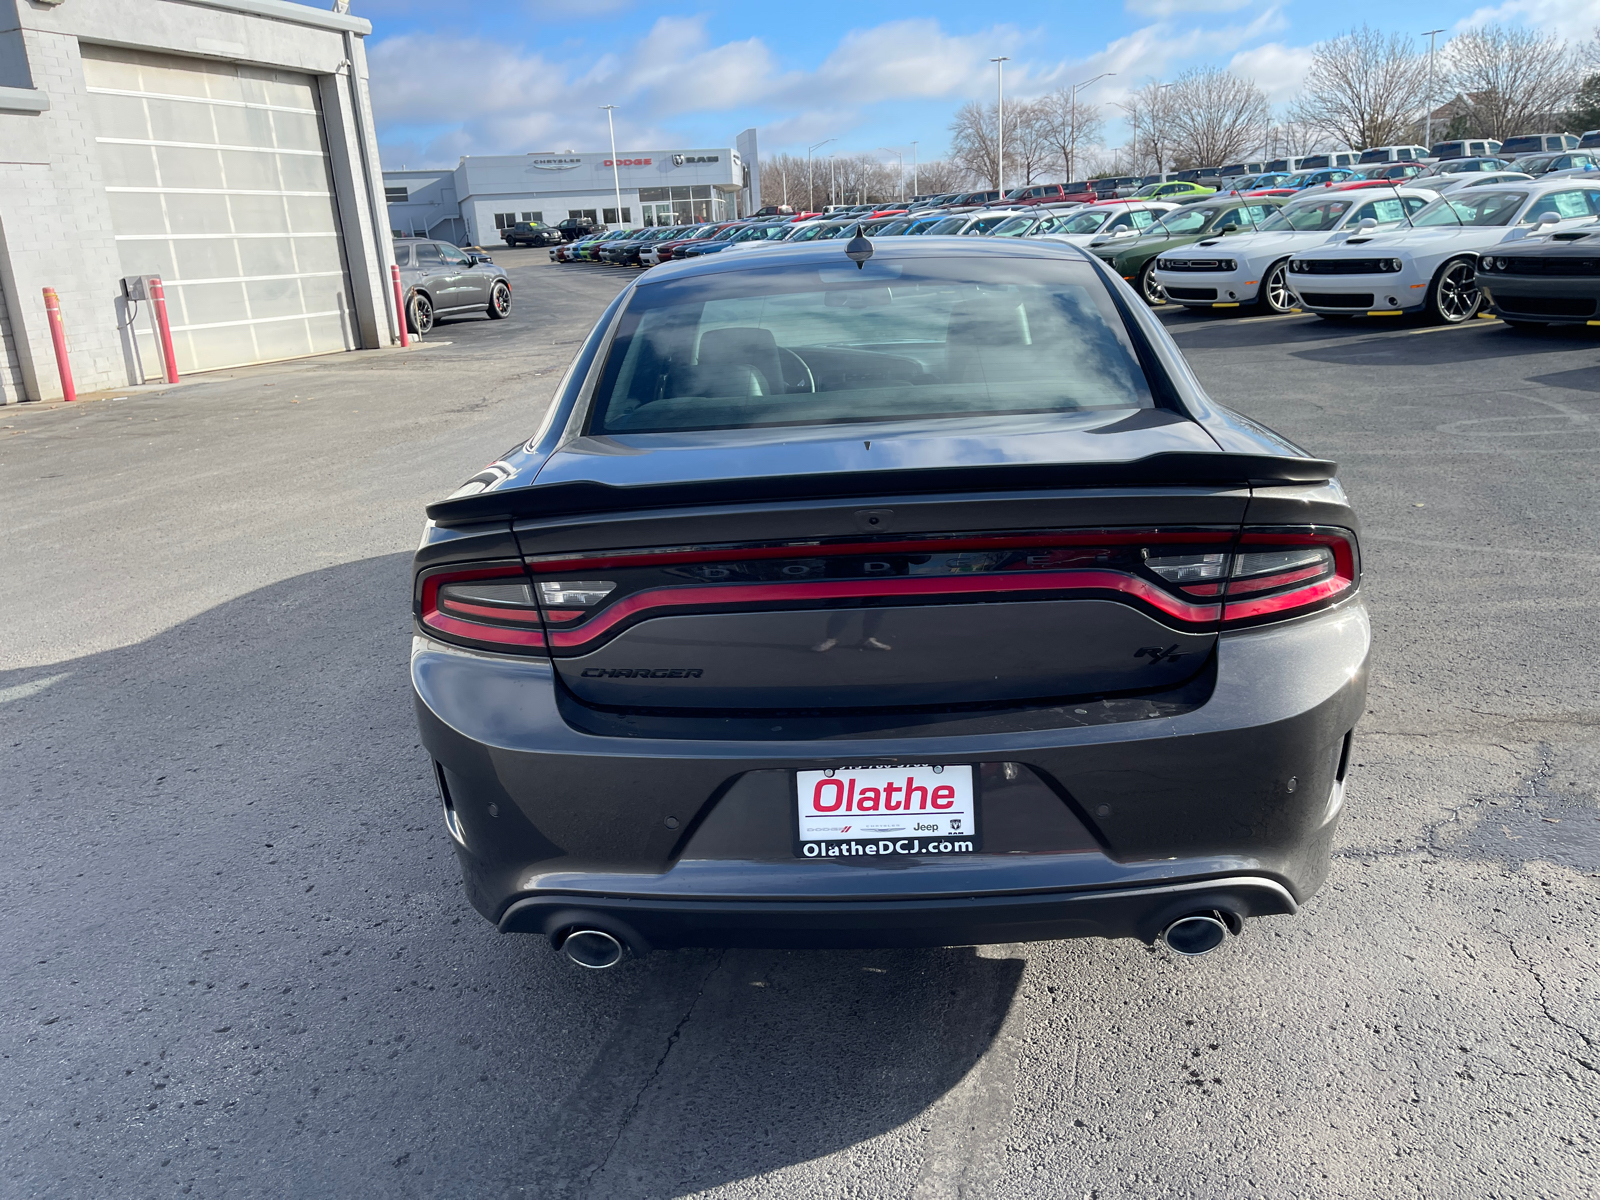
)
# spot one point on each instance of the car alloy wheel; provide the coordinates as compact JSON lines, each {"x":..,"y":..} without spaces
{"x":499,"y":301}
{"x":419,"y":314}
{"x":1150,"y":288}
{"x":1275,"y":295}
{"x":1456,"y":297}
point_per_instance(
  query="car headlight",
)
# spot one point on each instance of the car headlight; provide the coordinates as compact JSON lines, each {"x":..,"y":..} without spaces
{"x":1296,"y":265}
{"x":1393,"y":264}
{"x":1489,"y":264}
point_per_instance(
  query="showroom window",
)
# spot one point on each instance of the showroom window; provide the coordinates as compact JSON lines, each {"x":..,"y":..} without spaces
{"x":587,"y":214}
{"x":611,"y":216}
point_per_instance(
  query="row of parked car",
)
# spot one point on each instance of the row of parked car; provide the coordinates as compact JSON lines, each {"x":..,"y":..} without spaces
{"x":1528,"y":246}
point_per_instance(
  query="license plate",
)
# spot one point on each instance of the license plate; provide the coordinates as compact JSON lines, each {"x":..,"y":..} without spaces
{"x":856,"y":812}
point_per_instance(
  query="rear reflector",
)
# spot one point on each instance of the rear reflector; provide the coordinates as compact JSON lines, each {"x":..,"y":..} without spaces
{"x":490,"y":606}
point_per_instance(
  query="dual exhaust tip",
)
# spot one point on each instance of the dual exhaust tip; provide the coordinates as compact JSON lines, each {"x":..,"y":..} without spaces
{"x":1191,"y":936}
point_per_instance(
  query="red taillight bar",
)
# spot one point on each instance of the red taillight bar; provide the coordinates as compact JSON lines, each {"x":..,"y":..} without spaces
{"x":853,"y":589}
{"x":548,"y":564}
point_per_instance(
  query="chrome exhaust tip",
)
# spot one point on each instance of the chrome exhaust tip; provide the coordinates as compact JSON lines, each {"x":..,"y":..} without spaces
{"x":1195,"y":934}
{"x":592,"y":948}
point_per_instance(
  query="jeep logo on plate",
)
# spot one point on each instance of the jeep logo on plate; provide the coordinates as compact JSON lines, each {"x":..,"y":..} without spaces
{"x":642,"y":672}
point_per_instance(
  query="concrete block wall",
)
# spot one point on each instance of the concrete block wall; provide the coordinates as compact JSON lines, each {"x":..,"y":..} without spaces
{"x":55,"y":222}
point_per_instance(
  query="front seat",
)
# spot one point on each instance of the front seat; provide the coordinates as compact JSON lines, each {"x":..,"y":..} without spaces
{"x":738,"y":361}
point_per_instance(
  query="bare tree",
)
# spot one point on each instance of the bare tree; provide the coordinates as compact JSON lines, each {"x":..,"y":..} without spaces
{"x":934,"y":178}
{"x":1364,"y":88}
{"x":974,"y":138}
{"x":1288,"y":138}
{"x":1074,"y":127}
{"x":1031,"y":150}
{"x":1149,"y":113}
{"x":1519,"y":81}
{"x":1215,"y":117}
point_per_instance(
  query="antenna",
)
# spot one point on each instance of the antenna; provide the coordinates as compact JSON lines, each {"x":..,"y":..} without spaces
{"x":859,"y":249}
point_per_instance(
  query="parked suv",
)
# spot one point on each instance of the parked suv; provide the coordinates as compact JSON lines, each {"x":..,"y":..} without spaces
{"x":530,"y":233}
{"x":440,"y":280}
{"x":574,"y":228}
{"x":1470,"y":148}
{"x":1537,"y":143}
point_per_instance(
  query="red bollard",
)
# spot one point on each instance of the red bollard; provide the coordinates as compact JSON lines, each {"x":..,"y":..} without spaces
{"x":58,"y":336}
{"x":158,"y":298}
{"x":399,"y":306}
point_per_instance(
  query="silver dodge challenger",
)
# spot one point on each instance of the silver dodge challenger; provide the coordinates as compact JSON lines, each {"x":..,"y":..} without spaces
{"x":901,"y":595}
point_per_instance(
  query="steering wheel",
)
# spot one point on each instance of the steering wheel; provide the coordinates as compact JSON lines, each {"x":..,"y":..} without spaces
{"x":802,"y":380}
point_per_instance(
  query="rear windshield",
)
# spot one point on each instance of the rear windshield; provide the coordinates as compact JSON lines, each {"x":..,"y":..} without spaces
{"x":809,"y":345}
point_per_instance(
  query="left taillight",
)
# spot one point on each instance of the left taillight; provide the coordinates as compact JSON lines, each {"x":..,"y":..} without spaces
{"x":489,"y":606}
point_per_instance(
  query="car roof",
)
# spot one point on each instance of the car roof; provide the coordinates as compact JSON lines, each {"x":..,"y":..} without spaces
{"x":830,"y":253}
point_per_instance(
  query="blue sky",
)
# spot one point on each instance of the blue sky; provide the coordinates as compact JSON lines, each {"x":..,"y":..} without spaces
{"x":510,"y":76}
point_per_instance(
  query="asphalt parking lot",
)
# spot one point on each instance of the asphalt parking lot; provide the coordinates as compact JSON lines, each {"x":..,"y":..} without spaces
{"x":239,"y":961}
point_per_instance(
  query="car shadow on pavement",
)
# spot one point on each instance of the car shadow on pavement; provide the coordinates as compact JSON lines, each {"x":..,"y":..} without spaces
{"x":1439,"y":346}
{"x":225,"y":846}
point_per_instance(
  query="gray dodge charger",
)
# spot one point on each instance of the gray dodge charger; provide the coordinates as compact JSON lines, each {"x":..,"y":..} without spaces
{"x":907,"y":595}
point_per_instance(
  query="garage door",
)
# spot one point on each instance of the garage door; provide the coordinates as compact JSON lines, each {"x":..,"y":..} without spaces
{"x":220,"y":182}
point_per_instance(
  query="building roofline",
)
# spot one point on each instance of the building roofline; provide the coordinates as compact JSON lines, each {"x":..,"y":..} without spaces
{"x":299,"y":14}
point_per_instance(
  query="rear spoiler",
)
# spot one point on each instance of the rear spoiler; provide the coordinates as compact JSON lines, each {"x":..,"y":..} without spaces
{"x":1181,"y":469}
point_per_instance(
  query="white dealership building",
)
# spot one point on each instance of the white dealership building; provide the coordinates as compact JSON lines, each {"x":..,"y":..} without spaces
{"x":226,"y":146}
{"x":484,"y":193}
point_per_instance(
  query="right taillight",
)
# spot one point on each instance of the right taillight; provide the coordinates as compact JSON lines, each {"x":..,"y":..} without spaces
{"x":1281,"y":573}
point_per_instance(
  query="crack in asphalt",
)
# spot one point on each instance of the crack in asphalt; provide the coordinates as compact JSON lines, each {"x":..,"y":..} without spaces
{"x":1544,"y":1005}
{"x":649,"y":1080}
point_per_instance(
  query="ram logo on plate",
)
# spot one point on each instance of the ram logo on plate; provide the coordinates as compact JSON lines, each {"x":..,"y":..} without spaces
{"x":849,"y":812}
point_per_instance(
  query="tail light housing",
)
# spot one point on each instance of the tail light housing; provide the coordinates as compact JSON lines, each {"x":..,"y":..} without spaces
{"x":490,"y":606}
{"x":1278,"y":573}
{"x":1189,"y":578}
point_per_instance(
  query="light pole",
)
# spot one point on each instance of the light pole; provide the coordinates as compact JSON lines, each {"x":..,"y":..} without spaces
{"x":1427,"y":135}
{"x":1000,"y":126}
{"x":916,"y":185}
{"x":811,"y":191}
{"x":1072,"y":136}
{"x":616,"y":179}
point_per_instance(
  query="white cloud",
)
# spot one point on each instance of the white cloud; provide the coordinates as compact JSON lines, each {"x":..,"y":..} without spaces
{"x":1578,"y":20}
{"x":440,"y":97}
{"x":1279,"y":70}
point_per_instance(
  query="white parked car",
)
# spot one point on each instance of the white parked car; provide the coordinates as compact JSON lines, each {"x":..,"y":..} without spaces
{"x":1106,"y":219}
{"x":1253,"y":268}
{"x":1431,"y":264}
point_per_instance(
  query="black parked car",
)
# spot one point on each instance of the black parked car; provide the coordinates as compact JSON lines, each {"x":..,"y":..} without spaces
{"x":925,"y":602}
{"x":1544,"y":281}
{"x":531,"y":233}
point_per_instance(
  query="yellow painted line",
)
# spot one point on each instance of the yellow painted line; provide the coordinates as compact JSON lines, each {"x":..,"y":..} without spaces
{"x":1485,"y":316}
{"x":1233,"y":304}
{"x":1386,"y":312}
{"x":1592,"y":322}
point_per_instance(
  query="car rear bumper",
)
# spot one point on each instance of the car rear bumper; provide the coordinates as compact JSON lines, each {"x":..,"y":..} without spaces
{"x":1137,"y":912}
{"x":679,"y":840}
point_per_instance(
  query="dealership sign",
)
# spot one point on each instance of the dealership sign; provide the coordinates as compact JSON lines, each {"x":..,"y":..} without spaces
{"x":626,"y":162}
{"x":555,"y":164}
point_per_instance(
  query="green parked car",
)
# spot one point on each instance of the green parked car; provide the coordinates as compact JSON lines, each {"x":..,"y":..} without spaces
{"x":1135,"y":258}
{"x":1177,"y":191}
